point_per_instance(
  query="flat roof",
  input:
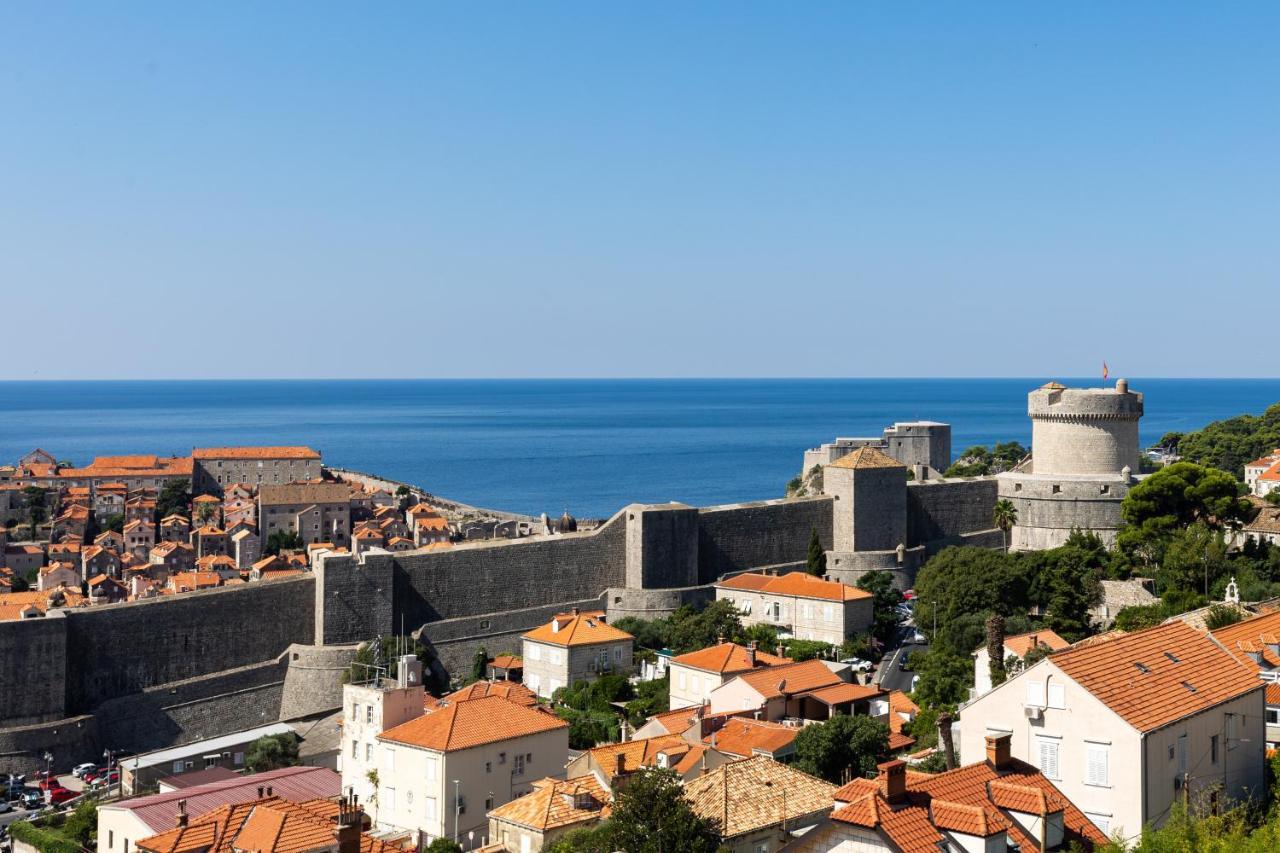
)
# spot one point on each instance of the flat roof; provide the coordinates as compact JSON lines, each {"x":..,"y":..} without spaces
{"x":217,"y":744}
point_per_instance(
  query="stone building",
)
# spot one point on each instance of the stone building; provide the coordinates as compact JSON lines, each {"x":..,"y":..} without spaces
{"x":799,"y":605}
{"x":317,"y":512}
{"x":574,"y":647}
{"x":218,"y":467}
{"x":913,"y":443}
{"x":1084,"y":458}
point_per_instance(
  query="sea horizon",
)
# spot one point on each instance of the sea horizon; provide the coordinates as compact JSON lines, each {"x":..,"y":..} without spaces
{"x":587,"y":445}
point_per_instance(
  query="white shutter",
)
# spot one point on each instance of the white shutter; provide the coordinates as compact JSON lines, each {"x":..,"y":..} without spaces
{"x":1057,"y":696}
{"x":1049,"y":758}
{"x":1035,"y":693}
{"x":1096,"y":760}
{"x":429,"y":810}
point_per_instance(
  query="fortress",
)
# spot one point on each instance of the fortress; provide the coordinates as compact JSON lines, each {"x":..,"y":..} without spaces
{"x":145,"y":674}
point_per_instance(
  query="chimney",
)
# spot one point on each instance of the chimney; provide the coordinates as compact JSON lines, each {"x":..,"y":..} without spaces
{"x":269,"y":792}
{"x":998,"y":747}
{"x":574,"y":611}
{"x":349,"y":827}
{"x":720,"y":640}
{"x":892,"y":779}
{"x":180,"y":820}
{"x":620,"y":765}
{"x":751,"y":655}
{"x":259,"y":792}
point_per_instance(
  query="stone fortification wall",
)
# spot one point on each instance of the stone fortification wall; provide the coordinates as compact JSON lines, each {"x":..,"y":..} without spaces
{"x":33,"y":660}
{"x":940,"y":511}
{"x":746,"y":536}
{"x":75,"y":739}
{"x":1079,"y":431}
{"x":119,"y":649}
{"x":313,"y":679}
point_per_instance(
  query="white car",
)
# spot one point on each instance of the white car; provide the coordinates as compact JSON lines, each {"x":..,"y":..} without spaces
{"x":80,"y":769}
{"x":858,"y":664}
{"x":919,"y":638}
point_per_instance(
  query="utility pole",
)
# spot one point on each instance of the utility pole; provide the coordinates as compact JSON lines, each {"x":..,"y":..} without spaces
{"x":457,"y":809}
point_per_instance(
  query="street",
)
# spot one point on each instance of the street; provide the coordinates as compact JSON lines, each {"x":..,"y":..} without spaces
{"x":891,"y":676}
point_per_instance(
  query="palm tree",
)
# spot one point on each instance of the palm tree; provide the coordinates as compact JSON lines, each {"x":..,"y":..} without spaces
{"x":1004,"y":515}
{"x":205,"y":510}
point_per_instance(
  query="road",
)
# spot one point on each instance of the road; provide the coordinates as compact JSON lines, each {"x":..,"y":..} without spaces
{"x":19,"y":813}
{"x":892,"y":677}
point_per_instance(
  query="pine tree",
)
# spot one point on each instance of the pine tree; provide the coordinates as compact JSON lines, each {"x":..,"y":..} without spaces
{"x":816,"y":561}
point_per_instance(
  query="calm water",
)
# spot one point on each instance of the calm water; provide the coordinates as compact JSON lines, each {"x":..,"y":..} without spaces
{"x":586,"y":445}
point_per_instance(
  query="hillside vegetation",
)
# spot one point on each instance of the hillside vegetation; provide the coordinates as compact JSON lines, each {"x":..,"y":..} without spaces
{"x":1232,"y":443}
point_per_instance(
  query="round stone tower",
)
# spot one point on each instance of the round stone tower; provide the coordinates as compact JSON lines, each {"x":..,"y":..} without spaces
{"x":1084,"y":453}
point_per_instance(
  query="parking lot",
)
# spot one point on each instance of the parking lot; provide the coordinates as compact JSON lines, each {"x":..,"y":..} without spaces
{"x":16,"y":811}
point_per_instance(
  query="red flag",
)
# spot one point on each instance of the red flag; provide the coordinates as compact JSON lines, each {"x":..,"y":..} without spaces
{"x":1105,"y":371}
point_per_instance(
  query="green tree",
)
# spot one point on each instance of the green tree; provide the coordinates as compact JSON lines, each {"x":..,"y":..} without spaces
{"x":651,"y":815}
{"x":1194,"y":558}
{"x":945,"y":678}
{"x":82,"y":823}
{"x":1231,"y":443}
{"x":590,"y":728}
{"x":1004,"y":515}
{"x":35,"y":500}
{"x":204,"y":513}
{"x":693,"y":629}
{"x":842,"y":747}
{"x":1180,"y":495}
{"x":479,"y":664}
{"x":442,"y":845}
{"x":1222,"y":615}
{"x":815,"y":562}
{"x":884,"y":606}
{"x":283,"y":540}
{"x":362,"y":670}
{"x":115,"y":522}
{"x":801,"y":650}
{"x":175,"y":497}
{"x":651,"y":697}
{"x":652,"y":634}
{"x":270,"y":752}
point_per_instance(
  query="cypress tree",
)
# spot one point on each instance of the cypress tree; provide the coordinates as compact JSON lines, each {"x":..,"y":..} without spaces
{"x":816,"y":561}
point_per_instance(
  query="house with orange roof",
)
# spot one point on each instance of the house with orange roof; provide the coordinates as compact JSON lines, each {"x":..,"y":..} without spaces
{"x":506,"y":668}
{"x":694,"y":675}
{"x":1256,"y":642}
{"x":139,"y":537}
{"x":808,"y":690}
{"x":614,"y":763}
{"x":317,"y":512}
{"x":140,"y":509}
{"x":551,"y":809}
{"x":799,"y":605}
{"x":759,"y":803}
{"x":173,"y":557}
{"x":58,"y":574}
{"x":192,"y":581}
{"x":112,"y":539}
{"x":1016,"y":648}
{"x":743,"y":737}
{"x":439,"y":774}
{"x":216,"y":468}
{"x":175,"y":527}
{"x":1262,"y":475}
{"x":23,"y":559}
{"x":512,"y":691}
{"x":209,"y":540}
{"x":36,"y":603}
{"x":572,"y":647}
{"x":71,"y":525}
{"x":109,"y":499}
{"x":1127,"y":724}
{"x":106,"y":589}
{"x":993,"y":805}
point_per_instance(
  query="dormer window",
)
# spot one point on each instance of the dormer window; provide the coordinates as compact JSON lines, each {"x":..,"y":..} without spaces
{"x":1141,"y":668}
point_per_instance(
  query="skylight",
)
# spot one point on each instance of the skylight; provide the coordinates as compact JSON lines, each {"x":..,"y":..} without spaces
{"x":1141,"y":667}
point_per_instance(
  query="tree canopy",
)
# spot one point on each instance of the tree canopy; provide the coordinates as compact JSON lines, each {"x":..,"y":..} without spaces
{"x":1232,"y":443}
{"x":271,"y":752}
{"x":174,"y":497}
{"x":841,"y":748}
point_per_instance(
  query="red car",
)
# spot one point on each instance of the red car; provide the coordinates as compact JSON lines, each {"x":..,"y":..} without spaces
{"x":51,"y":785}
{"x":57,"y":796}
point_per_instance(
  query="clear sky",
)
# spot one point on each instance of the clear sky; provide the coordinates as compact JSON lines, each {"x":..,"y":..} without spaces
{"x":638,"y":189}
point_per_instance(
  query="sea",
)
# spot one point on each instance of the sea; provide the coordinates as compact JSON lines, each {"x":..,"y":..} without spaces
{"x":586,"y":446}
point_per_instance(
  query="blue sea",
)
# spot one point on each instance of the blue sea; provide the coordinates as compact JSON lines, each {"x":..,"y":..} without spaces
{"x":589,"y":446}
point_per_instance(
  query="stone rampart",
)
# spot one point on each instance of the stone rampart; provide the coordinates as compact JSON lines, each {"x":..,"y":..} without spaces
{"x":744,"y":536}
{"x":942,"y":510}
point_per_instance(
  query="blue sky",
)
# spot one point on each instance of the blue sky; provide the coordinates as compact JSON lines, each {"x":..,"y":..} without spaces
{"x":549,"y":189}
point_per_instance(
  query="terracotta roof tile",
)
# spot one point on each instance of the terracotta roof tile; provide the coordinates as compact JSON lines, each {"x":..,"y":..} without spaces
{"x":1156,"y":676}
{"x":254,"y":453}
{"x":1020,"y":644}
{"x":728,"y":659}
{"x":746,"y":737}
{"x":554,"y":804}
{"x":791,"y":679}
{"x":755,"y":793}
{"x":463,"y":725}
{"x":798,"y":584}
{"x":582,"y":629}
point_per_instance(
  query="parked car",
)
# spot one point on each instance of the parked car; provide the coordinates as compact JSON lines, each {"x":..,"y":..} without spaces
{"x":904,"y":661}
{"x":917,"y":637}
{"x":50,"y":784}
{"x":5,"y":806}
{"x":58,"y":796}
{"x":32,"y":799}
{"x":81,"y":769}
{"x":858,"y":664}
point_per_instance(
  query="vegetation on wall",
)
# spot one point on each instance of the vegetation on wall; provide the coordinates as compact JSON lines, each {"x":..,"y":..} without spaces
{"x":1229,"y":444}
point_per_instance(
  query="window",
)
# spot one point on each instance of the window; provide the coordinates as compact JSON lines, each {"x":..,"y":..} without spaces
{"x":617,"y":653}
{"x":1057,"y":695}
{"x":828,"y":612}
{"x":1035,"y":693}
{"x":1096,"y":761}
{"x":680,"y":680}
{"x":429,"y":809}
{"x":177,"y":766}
{"x":368,"y":752}
{"x":1103,"y":822}
{"x":1048,"y":752}
{"x":1182,"y":754}
{"x":433,"y":768}
{"x":1213,"y":749}
{"x":389,"y":798}
{"x":1273,"y":716}
{"x":354,"y":747}
{"x":806,"y":611}
{"x":557,"y":656}
{"x":238,"y":759}
{"x":111,"y":838}
{"x":488,"y":767}
{"x":368,"y":714}
{"x":488,"y":803}
{"x":462,"y":804}
{"x":1233,"y":733}
{"x":535,"y":653}
{"x":518,"y":768}
{"x":391,"y":758}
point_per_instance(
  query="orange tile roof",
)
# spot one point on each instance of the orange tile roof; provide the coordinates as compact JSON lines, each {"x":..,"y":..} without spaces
{"x":1259,"y":631}
{"x":641,"y":752}
{"x":507,"y":661}
{"x":266,"y":825}
{"x":837,"y":694}
{"x":1020,"y":644}
{"x":791,"y":679}
{"x":580,"y":629}
{"x":798,"y":584}
{"x":756,"y":793}
{"x":727,"y":659}
{"x":554,"y":803}
{"x":188,"y":581}
{"x":745,"y":737}
{"x":1153,"y":677}
{"x":463,"y":725}
{"x":866,"y":457}
{"x":1273,"y":694}
{"x":512,"y":691}
{"x":677,"y":720}
{"x":254,"y":453}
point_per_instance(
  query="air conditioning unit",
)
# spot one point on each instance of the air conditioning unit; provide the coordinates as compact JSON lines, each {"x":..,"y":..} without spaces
{"x":1033,"y":712}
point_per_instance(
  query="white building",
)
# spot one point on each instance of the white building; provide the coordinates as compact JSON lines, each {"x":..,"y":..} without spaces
{"x":1262,"y":476}
{"x":439,"y":772}
{"x":799,"y":604}
{"x":1018,"y":646}
{"x":694,"y":675}
{"x":1122,"y":724}
{"x":574,"y":647}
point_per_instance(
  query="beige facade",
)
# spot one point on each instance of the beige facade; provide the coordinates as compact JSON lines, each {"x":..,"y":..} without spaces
{"x":548,"y":667}
{"x":317,"y":512}
{"x":1120,"y":777}
{"x":827,"y":616}
{"x":218,"y":467}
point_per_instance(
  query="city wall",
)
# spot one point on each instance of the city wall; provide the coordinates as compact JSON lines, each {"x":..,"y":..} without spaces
{"x":145,"y":674}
